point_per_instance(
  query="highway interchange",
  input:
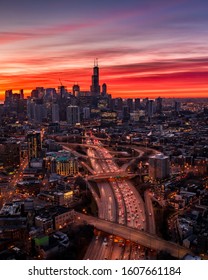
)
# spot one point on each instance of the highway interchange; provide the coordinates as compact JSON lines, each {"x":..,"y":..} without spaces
{"x":121,"y":212}
{"x":120,"y":202}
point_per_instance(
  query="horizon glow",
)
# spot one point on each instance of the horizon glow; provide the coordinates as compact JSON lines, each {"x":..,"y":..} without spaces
{"x":144,"y":49}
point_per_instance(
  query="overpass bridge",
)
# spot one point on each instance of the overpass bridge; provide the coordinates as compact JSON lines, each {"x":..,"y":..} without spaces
{"x":146,"y":239}
{"x":111,"y":176}
{"x":69,"y":147}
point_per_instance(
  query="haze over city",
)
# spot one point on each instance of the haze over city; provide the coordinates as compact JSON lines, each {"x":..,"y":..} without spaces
{"x":145,"y":48}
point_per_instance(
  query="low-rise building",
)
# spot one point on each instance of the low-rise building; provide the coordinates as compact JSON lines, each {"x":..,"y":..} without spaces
{"x":62,"y":163}
{"x":54,"y":218}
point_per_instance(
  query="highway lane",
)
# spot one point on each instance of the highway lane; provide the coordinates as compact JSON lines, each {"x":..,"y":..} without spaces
{"x":115,"y":248}
{"x":95,"y":195}
{"x":122,"y":213}
{"x":107,"y":204}
{"x":91,"y":155}
{"x":104,"y":248}
{"x":100,"y":248}
{"x":90,"y":249}
{"x":107,"y":201}
{"x":117,"y":252}
{"x":150,"y":212}
{"x":126,"y":252}
{"x":104,"y":168}
{"x":111,"y":202}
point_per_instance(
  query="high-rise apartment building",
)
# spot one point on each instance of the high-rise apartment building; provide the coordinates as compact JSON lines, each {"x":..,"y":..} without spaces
{"x":150,"y":108}
{"x":159,"y":167}
{"x":55,"y":113}
{"x":73,"y":115}
{"x":86,"y":113}
{"x":40,"y":113}
{"x":8,"y":96}
{"x":34,"y":144}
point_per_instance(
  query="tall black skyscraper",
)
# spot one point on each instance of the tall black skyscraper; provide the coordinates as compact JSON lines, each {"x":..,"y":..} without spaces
{"x":62,"y":91}
{"x":137,"y":104}
{"x":8,"y":96}
{"x":62,"y":102}
{"x":21,"y":94}
{"x":104,"y":89}
{"x":95,"y":87}
{"x":34,"y":144}
{"x":129,"y":103}
{"x":158,"y":105}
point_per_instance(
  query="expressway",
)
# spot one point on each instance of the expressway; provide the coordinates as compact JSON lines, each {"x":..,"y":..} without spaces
{"x":113,"y":248}
{"x":140,"y":237}
{"x":107,"y":201}
{"x":106,"y":207}
{"x":131,"y":209}
{"x":118,"y":202}
{"x":150,"y":212}
{"x":134,"y":217}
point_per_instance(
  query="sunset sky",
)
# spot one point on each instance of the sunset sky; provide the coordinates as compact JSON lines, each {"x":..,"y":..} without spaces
{"x":146,"y":48}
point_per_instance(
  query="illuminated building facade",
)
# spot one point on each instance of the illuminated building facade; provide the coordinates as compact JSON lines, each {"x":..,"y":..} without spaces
{"x":62,"y":163}
{"x":108,"y":118}
{"x":34,"y":144}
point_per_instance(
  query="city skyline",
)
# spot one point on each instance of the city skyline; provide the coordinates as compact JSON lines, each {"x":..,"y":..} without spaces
{"x":144,"y":49}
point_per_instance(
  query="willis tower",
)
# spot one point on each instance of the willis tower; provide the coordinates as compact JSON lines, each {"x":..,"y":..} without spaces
{"x":95,"y":87}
